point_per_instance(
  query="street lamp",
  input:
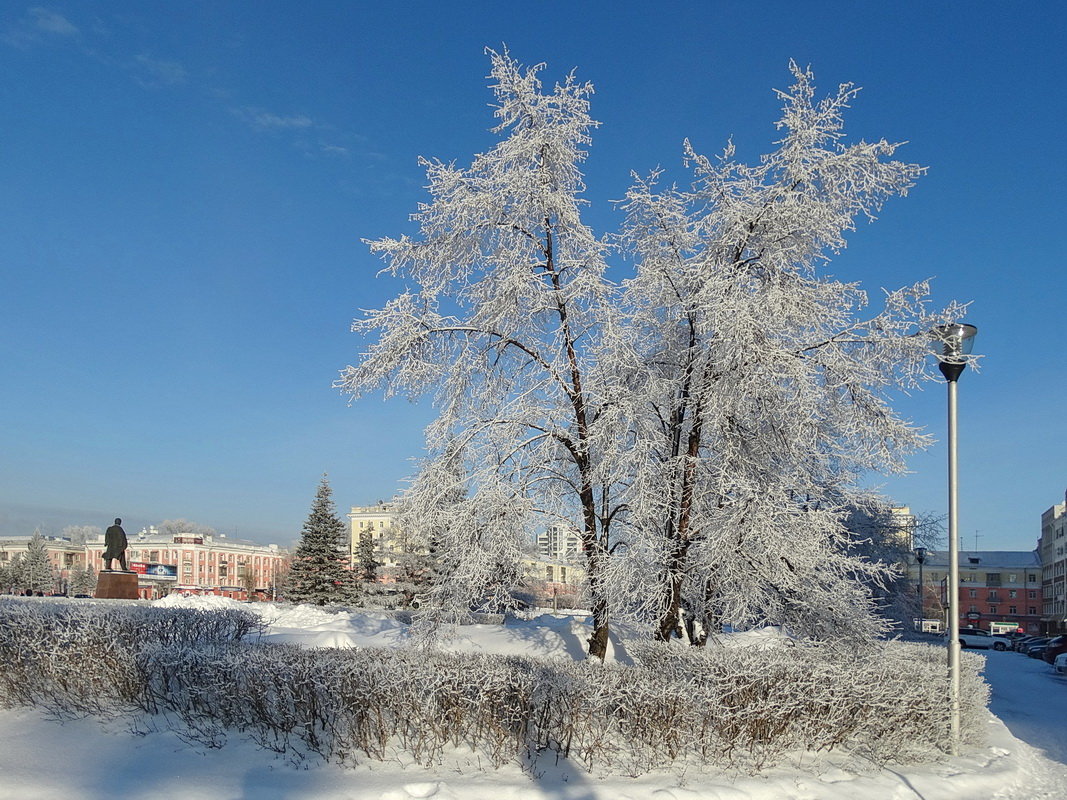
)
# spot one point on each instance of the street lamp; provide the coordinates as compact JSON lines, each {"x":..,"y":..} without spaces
{"x":920,"y":559}
{"x":953,"y":343}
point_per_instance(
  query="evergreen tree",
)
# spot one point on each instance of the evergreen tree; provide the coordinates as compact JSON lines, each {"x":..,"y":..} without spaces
{"x":368,"y":564}
{"x":38,"y":573}
{"x":319,"y":573}
{"x":82,"y":579}
{"x":11,"y":574}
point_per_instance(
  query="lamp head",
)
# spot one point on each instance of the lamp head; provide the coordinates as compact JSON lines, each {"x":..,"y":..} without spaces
{"x":952,"y":343}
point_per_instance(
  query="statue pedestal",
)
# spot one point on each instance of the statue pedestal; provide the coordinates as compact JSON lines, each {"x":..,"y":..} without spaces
{"x":116,"y":586}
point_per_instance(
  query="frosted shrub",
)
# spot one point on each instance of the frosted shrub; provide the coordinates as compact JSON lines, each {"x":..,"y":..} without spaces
{"x":732,"y":709}
{"x":81,"y":658}
{"x":739,"y":710}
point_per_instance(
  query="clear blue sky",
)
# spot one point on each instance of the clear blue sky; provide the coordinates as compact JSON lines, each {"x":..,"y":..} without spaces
{"x":184,"y":187}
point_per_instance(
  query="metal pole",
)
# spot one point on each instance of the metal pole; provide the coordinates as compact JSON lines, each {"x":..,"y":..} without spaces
{"x":922,"y":599}
{"x":953,"y":579}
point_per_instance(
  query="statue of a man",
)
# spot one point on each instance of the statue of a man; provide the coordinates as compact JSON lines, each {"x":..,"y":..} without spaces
{"x":115,"y":546}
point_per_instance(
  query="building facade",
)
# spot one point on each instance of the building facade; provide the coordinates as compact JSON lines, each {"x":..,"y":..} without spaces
{"x":376,"y":525}
{"x":558,"y":543}
{"x":63,"y":555}
{"x":1053,"y":549}
{"x":1000,"y":590}
{"x":199,"y":563}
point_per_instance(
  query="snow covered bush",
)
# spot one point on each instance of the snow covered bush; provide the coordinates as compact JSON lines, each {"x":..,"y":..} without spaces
{"x":731,"y":709}
{"x":728,"y":708}
{"x":81,"y":657}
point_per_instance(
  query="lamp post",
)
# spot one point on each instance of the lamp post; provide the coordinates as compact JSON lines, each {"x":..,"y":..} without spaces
{"x":953,"y":342}
{"x":920,"y":559}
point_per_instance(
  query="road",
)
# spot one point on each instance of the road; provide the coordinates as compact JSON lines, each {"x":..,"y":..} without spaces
{"x":1031,"y":699}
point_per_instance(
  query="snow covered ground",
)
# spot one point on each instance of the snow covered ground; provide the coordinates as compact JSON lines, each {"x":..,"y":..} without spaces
{"x":1025,"y":757}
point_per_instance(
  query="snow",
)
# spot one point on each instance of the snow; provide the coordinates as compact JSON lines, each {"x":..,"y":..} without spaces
{"x":1024,"y":758}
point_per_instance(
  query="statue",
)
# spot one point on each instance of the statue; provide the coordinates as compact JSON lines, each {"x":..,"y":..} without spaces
{"x":115,"y":546}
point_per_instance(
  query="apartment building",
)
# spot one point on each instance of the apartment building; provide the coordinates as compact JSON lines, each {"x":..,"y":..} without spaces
{"x":1000,"y":590}
{"x":559,"y":543}
{"x":199,"y":563}
{"x":63,"y":555}
{"x":376,"y":523}
{"x":1053,"y":549}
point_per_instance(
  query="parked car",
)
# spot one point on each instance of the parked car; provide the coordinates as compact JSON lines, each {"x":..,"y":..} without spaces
{"x":1036,"y":648}
{"x":976,"y":637}
{"x":1060,"y":664}
{"x":1054,"y":648}
{"x":1020,"y":645}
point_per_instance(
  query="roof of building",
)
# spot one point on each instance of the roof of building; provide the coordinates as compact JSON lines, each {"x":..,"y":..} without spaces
{"x":1003,"y":559}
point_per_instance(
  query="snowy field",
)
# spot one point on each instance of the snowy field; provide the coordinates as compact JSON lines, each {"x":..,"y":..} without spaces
{"x":1025,"y":757}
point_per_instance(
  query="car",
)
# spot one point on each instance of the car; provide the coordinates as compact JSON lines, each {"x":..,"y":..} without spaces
{"x":1060,"y":664}
{"x":1036,"y":648}
{"x":976,"y":637}
{"x":1054,"y":648}
{"x":1020,"y":645}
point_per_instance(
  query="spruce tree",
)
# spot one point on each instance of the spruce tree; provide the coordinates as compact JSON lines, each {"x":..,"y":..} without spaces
{"x":319,"y":573}
{"x":38,"y":573}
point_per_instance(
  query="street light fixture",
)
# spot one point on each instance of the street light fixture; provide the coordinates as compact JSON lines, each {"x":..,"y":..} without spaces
{"x":953,"y":343}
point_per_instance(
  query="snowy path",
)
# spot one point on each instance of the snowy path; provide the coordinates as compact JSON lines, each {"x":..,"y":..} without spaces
{"x":1031,"y":699}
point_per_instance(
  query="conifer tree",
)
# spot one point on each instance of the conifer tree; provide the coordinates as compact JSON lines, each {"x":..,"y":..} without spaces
{"x":319,"y":573}
{"x":38,"y":573}
{"x":82,"y":579}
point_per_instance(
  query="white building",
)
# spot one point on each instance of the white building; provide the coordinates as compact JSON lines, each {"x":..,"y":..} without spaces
{"x":559,"y":543}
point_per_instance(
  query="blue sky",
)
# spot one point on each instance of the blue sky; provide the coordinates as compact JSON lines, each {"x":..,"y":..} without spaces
{"x":184,"y":188}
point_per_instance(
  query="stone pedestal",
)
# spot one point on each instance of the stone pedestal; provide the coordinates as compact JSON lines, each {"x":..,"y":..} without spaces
{"x":116,"y":586}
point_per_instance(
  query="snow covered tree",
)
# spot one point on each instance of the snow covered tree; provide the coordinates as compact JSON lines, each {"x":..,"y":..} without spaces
{"x":319,"y":572}
{"x":509,"y":297}
{"x":172,"y":527}
{"x":705,"y":424}
{"x":38,"y":573}
{"x":367,"y":566}
{"x":878,"y":535}
{"x":82,"y":580}
{"x":79,"y":534}
{"x":11,"y":574}
{"x":766,"y":388}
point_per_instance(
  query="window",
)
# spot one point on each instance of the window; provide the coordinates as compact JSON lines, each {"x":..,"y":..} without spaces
{"x":972,"y":593}
{"x":1032,"y":610}
{"x":1013,"y":610}
{"x":1012,"y":578}
{"x":548,"y":573}
{"x":993,"y":610}
{"x":1011,"y":594}
{"x":1033,"y":594}
{"x":1031,"y":578}
{"x":993,"y":597}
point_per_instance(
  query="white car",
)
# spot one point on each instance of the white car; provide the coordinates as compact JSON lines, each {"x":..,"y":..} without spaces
{"x":1060,"y":664}
{"x":976,"y":637}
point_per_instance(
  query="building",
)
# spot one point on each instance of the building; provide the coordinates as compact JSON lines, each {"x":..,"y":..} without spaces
{"x":378,"y":524}
{"x":1000,"y":590}
{"x":63,"y":555}
{"x":559,"y":543}
{"x":199,"y":563}
{"x":1052,"y":546}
